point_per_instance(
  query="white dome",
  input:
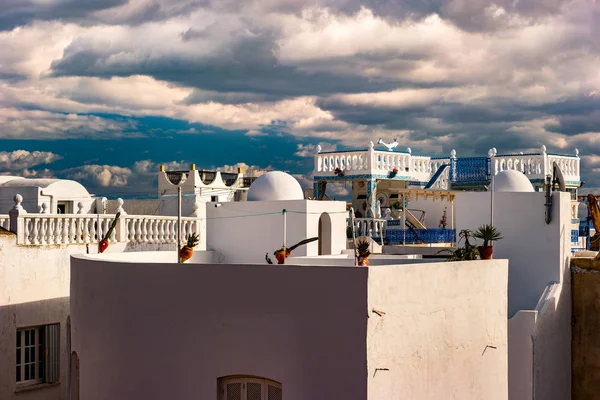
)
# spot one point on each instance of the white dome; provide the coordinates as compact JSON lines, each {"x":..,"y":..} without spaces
{"x":512,"y":181}
{"x":275,"y":185}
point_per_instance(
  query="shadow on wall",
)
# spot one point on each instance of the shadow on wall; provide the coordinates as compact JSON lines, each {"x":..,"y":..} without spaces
{"x":14,"y":317}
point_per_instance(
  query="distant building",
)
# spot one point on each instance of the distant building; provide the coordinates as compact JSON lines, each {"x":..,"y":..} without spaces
{"x":199,"y":186}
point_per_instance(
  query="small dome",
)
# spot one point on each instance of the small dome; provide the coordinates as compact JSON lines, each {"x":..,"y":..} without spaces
{"x":275,"y":185}
{"x":512,"y":181}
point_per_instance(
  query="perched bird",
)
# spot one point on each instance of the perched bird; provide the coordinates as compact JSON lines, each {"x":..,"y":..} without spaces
{"x":389,"y":146}
{"x":284,"y":252}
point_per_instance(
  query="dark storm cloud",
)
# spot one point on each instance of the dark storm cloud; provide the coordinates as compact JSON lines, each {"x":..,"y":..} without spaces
{"x":247,"y":65}
{"x":15,"y":13}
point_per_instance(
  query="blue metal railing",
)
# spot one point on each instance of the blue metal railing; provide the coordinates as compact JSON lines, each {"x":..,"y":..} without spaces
{"x":470,"y":169}
{"x":574,"y":235}
{"x":436,"y":176}
{"x":425,"y":236}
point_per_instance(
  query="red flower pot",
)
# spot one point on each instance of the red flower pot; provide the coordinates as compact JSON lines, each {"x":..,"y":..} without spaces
{"x":486,"y":252}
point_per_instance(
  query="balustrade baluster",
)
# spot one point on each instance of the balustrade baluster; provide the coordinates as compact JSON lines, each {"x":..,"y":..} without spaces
{"x":43,"y":222}
{"x":27,"y":230}
{"x":73,"y":230}
{"x":65,"y":232}
{"x":34,"y":231}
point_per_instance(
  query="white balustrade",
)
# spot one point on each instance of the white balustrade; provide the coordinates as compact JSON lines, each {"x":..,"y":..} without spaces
{"x":537,"y":166}
{"x":532,"y":165}
{"x":569,"y":166}
{"x":386,"y":161}
{"x":159,"y":229}
{"x":5,"y":221}
{"x":353,"y":161}
{"x":369,"y":227}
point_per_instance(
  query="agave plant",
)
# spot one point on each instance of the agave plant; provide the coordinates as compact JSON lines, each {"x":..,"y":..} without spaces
{"x":487,"y":233}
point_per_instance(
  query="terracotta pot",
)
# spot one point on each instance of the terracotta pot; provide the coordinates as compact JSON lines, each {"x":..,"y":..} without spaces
{"x":486,"y":252}
{"x":363,"y":261}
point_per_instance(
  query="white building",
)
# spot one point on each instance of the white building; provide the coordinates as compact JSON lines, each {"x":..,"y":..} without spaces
{"x":199,"y":186}
{"x":49,"y":196}
{"x":294,"y":314}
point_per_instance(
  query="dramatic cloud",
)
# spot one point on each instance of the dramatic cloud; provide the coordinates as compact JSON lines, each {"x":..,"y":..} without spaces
{"x":20,"y":160}
{"x":436,"y":75}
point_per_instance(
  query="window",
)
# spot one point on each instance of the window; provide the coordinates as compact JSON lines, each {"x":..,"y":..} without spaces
{"x":214,"y":199}
{"x":38,"y":353}
{"x":249,"y":388}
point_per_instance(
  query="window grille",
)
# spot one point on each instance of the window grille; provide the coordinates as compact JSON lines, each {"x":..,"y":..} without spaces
{"x":38,"y":355}
{"x":249,"y":388}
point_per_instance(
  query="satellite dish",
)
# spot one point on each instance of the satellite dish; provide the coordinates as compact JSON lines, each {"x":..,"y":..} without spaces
{"x":558,"y":178}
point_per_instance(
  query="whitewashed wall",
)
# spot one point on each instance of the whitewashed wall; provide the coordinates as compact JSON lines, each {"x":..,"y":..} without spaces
{"x":538,"y":256}
{"x":441,"y":333}
{"x":434,"y":209}
{"x":34,"y":291}
{"x":296,"y":325}
{"x":243,"y":232}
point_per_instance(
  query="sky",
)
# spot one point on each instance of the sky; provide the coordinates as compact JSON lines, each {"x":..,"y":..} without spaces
{"x":104,"y":91}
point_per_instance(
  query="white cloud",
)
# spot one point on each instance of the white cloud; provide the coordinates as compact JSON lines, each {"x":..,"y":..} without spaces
{"x":19,"y":160}
{"x":100,"y":175}
{"x":309,"y":150}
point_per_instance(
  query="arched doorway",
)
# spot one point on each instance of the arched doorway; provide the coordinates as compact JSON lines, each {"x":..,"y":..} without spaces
{"x":325,"y":234}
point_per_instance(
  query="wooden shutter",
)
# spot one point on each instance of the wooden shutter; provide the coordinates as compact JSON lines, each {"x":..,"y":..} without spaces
{"x":52,"y":338}
{"x":274,"y":392}
{"x":233,"y":390}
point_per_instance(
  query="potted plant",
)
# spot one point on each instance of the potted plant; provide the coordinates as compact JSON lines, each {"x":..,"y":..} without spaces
{"x":187,"y":251}
{"x":467,"y":252}
{"x":487,"y":233}
{"x":394,"y":172}
{"x":339,"y":172}
{"x":362,"y":250}
{"x":103,"y":244}
{"x":284,"y":252}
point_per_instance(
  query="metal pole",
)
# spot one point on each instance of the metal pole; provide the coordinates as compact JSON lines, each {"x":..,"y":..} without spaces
{"x":492,"y":200}
{"x":284,"y":227}
{"x":403,"y":220}
{"x":178,"y":223}
{"x":353,"y":236}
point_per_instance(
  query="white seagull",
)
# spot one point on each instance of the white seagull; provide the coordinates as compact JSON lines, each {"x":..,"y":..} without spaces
{"x":389,"y":146}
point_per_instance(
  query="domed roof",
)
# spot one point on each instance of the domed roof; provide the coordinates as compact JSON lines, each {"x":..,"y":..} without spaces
{"x":275,"y":185}
{"x":512,"y":181}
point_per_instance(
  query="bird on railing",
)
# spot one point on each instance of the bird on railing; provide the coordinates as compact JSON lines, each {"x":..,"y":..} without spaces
{"x":389,"y":146}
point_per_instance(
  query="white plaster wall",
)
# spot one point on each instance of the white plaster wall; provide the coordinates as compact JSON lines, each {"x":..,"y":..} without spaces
{"x":196,"y":323}
{"x":434,"y":209}
{"x":243,"y":232}
{"x":538,"y":255}
{"x":433,"y":338}
{"x":294,"y":324}
{"x":537,"y":251}
{"x":34,"y":291}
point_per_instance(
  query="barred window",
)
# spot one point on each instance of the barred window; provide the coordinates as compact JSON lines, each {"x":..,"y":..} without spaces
{"x":37,"y":354}
{"x":249,"y":388}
